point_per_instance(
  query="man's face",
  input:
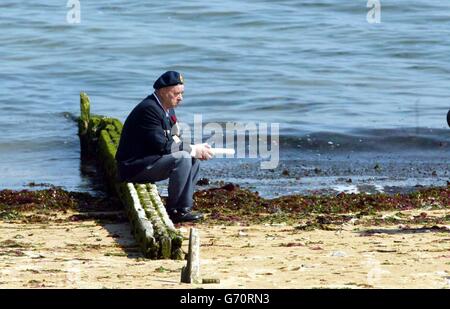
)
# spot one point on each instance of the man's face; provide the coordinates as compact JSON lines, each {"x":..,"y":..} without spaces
{"x":172,"y":96}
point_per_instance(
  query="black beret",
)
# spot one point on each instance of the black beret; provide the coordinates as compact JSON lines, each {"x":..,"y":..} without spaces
{"x":170,"y":78}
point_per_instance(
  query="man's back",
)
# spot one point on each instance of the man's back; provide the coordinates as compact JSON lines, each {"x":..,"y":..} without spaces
{"x":144,"y":138}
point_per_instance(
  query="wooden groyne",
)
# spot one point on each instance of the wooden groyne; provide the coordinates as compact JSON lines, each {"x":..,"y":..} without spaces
{"x":151,"y":225}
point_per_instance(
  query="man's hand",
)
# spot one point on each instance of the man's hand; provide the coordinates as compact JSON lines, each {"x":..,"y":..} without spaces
{"x":201,"y":151}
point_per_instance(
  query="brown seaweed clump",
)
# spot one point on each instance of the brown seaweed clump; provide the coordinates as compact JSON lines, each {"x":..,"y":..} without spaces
{"x":233,"y":204}
{"x":53,"y":198}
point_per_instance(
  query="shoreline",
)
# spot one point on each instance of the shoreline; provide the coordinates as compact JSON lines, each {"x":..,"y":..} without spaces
{"x":231,"y":199}
{"x":299,"y":172}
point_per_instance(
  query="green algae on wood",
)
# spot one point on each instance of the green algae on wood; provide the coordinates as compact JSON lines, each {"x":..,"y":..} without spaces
{"x":83,"y":122}
{"x":161,"y":232}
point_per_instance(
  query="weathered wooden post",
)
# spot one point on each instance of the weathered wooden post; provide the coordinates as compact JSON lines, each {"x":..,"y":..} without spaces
{"x":191,"y":272}
{"x":83,"y":123}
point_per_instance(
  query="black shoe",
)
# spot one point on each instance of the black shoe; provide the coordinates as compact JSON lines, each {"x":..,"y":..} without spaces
{"x":183,"y":215}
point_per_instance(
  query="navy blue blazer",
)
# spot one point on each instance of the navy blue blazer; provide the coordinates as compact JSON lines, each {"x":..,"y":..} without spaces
{"x":145,"y":138}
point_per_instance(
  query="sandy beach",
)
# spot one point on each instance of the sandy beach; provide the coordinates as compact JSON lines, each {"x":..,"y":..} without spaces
{"x":96,"y":250}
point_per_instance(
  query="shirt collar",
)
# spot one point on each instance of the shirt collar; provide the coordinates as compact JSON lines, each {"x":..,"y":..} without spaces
{"x":159,"y":103}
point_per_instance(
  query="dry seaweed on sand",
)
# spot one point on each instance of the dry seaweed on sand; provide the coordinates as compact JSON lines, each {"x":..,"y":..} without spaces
{"x":41,"y":206}
{"x":231,"y":204}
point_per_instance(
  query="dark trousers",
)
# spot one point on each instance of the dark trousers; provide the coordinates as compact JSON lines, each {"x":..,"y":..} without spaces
{"x":182,"y":171}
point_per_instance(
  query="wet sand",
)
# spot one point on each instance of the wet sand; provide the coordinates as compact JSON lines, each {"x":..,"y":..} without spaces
{"x":331,"y":173}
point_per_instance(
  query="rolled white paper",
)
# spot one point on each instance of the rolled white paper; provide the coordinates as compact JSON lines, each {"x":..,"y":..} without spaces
{"x":226,"y":151}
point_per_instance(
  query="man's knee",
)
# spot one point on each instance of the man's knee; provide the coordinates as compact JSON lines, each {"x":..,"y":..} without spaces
{"x":182,"y":157}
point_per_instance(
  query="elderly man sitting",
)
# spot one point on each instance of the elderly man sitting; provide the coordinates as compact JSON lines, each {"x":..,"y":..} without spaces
{"x":148,"y":152}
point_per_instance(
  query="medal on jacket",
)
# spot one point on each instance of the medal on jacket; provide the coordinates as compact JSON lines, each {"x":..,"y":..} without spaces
{"x":175,"y":131}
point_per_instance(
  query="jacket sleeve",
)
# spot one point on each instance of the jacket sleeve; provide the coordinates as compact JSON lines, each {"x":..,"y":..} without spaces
{"x":154,"y":136}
